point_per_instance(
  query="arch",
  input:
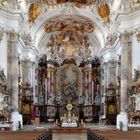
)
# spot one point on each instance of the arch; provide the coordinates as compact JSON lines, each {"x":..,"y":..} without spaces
{"x":37,"y":29}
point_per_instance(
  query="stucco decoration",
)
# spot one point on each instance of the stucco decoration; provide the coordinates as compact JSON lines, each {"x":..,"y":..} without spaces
{"x":104,"y":11}
{"x":134,"y":4}
{"x":77,"y":3}
{"x":138,"y":37}
{"x":1,"y":34}
{"x":69,"y":38}
{"x":34,"y":11}
{"x":69,"y":23}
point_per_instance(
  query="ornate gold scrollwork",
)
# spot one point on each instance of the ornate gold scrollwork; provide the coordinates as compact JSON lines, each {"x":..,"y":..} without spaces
{"x":34,"y":12}
{"x":138,"y":37}
{"x":104,"y":11}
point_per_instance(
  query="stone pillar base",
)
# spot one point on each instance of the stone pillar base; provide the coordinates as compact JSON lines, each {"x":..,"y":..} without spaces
{"x":17,"y":121}
{"x":122,"y":121}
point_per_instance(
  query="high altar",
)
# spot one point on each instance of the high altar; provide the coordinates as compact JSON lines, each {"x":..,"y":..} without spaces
{"x":67,"y":83}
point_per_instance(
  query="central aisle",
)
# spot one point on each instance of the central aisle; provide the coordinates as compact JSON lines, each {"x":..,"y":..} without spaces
{"x":69,"y":137}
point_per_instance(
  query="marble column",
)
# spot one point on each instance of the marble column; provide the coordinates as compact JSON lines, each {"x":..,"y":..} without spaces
{"x":104,"y":90}
{"x":46,"y":93}
{"x":112,"y":72}
{"x":85,"y":85}
{"x":88,"y":84}
{"x":13,"y":67}
{"x":50,"y":85}
{"x":53,"y":81}
{"x":122,"y":118}
{"x":48,"y":82}
{"x":13,"y":74}
{"x":34,"y":80}
{"x":83,"y":82}
{"x":52,"y":88}
{"x":118,"y":71}
{"x":108,"y":74}
{"x":26,"y":71}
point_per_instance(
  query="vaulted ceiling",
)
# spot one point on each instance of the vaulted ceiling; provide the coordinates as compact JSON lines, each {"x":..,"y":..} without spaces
{"x":81,"y":25}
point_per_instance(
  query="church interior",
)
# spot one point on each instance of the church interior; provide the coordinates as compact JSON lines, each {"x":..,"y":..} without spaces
{"x":70,"y":67}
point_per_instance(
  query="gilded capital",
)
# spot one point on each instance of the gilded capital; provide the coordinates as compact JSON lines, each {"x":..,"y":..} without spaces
{"x":1,"y":34}
{"x":26,"y":62}
{"x":34,"y":64}
{"x":104,"y":64}
{"x":14,"y":36}
{"x":134,"y":4}
{"x":126,"y":38}
{"x":112,"y":63}
{"x":138,"y":37}
{"x":27,"y":39}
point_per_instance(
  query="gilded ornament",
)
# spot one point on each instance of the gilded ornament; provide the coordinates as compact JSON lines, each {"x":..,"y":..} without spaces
{"x":34,"y":12}
{"x":138,"y":37}
{"x":134,"y":4}
{"x":125,"y":37}
{"x":104,"y":11}
{"x":1,"y":35}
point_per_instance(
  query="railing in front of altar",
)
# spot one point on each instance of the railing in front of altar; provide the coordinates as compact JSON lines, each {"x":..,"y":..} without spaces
{"x":47,"y":135}
{"x":91,"y":135}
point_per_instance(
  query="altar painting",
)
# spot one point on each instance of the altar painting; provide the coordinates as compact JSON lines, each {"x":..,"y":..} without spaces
{"x":68,"y":83}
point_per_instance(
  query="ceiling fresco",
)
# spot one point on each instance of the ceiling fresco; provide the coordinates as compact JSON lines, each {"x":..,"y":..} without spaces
{"x":69,"y":39}
{"x":102,"y":7}
{"x":78,"y":3}
{"x":72,"y":23}
{"x":69,"y":34}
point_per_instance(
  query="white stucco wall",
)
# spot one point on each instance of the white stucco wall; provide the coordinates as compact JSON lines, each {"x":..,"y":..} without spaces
{"x":3,"y":54}
{"x":135,"y":54}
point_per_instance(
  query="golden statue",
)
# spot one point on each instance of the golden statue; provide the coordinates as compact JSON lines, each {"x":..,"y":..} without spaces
{"x":34,"y":12}
{"x":104,"y":11}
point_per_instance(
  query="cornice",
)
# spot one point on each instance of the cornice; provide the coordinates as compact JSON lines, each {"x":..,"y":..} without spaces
{"x":132,"y":18}
{"x":37,"y":28}
{"x":11,"y":16}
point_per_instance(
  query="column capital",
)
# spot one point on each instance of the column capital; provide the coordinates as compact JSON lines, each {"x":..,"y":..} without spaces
{"x":34,"y":64}
{"x":27,"y":39}
{"x":87,"y":70}
{"x":26,"y":62}
{"x":138,"y":37}
{"x":126,"y":37}
{"x":13,"y":35}
{"x":112,"y":63}
{"x":104,"y":64}
{"x":1,"y":34}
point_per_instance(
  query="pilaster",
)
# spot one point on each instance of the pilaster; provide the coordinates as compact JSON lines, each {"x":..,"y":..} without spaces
{"x":122,"y":118}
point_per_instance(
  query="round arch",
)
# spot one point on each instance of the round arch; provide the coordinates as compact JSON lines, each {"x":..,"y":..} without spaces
{"x":37,"y":29}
